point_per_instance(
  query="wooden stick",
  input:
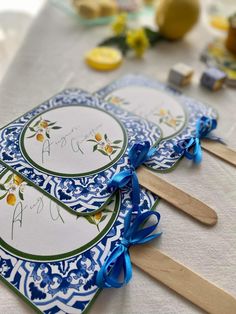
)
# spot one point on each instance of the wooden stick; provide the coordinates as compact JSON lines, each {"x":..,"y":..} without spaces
{"x":182,"y":280}
{"x":220,"y":150}
{"x":177,"y":197}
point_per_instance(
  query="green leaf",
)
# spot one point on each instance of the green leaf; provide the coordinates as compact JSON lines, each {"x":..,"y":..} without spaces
{"x":110,"y":202}
{"x":3,"y":196}
{"x":36,"y":123}
{"x":110,"y":41}
{"x":102,"y":152}
{"x":153,"y":36}
{"x":117,"y":142}
{"x":103,"y":218}
{"x":106,"y":210}
{"x":105,"y":137}
{"x":56,"y":127}
{"x":51,"y":123}
{"x":118,"y":41}
{"x":95,"y":147}
{"x":114,"y":151}
{"x":92,"y":141}
{"x":8,"y":179}
{"x":47,"y":134}
{"x":115,"y":146}
{"x":21,"y":195}
{"x":2,"y":187}
{"x":90,"y":220}
{"x":31,"y":129}
{"x":31,"y":135}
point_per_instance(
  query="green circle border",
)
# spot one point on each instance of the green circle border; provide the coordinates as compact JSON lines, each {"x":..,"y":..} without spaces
{"x":31,"y":162}
{"x":50,"y":258}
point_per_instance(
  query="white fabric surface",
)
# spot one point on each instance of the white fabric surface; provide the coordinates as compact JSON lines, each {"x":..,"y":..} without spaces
{"x":51,"y":59}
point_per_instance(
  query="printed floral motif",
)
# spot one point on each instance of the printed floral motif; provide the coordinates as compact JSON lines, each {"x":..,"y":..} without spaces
{"x":104,"y":145}
{"x":166,"y":117}
{"x":98,"y":218}
{"x":12,"y":188}
{"x":42,"y":129}
{"x":115,"y":100}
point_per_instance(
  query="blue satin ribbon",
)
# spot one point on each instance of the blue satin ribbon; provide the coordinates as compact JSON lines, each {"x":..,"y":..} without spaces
{"x":138,"y":154}
{"x":191,"y":147}
{"x":117,"y":269}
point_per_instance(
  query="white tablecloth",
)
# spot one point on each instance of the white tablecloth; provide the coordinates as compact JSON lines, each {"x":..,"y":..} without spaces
{"x":52,"y":58}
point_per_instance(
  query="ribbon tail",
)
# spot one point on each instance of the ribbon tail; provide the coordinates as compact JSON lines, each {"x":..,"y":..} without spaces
{"x":135,"y":193}
{"x":197,"y":152}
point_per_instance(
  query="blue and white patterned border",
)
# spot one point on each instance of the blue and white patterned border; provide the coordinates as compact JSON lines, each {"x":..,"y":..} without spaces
{"x":66,"y":286}
{"x":165,"y":158}
{"x":80,"y":194}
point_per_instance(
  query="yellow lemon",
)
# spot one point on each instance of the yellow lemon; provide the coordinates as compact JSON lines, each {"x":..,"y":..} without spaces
{"x":11,"y":199}
{"x":163,"y":112}
{"x":98,"y":137}
{"x":108,"y":149}
{"x":172,"y":122}
{"x":176,"y":17}
{"x":103,"y":58}
{"x":98,"y":216}
{"x":43,"y":124}
{"x":17,"y":180}
{"x":40,"y":137}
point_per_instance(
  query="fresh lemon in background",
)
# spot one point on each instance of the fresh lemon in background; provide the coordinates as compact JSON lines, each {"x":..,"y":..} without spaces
{"x":176,"y":17}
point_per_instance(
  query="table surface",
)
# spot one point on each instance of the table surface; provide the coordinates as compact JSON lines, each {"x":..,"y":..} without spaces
{"x":51,"y":59}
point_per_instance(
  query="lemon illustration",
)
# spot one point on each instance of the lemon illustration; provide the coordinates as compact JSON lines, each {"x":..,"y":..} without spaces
{"x":163,"y":112}
{"x":172,"y":122}
{"x":43,"y":124}
{"x":98,"y":137}
{"x":40,"y":137}
{"x":17,"y":180}
{"x":11,"y":199}
{"x":108,"y":149}
{"x":98,"y":216}
{"x":176,"y":17}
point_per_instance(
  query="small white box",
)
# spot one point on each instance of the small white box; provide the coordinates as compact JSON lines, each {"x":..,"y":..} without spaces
{"x":180,"y":74}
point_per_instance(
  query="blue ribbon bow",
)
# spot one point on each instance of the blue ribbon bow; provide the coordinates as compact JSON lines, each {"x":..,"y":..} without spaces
{"x":118,"y":263}
{"x":191,"y":147}
{"x":138,"y":154}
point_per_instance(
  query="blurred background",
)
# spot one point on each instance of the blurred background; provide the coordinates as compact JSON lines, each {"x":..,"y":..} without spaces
{"x":15,"y":18}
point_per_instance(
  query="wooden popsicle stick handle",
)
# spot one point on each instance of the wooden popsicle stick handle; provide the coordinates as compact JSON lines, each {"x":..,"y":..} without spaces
{"x":180,"y":199}
{"x":182,"y":280}
{"x":220,"y":150}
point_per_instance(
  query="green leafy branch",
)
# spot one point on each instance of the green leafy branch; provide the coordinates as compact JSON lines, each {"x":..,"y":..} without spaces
{"x":120,"y":41}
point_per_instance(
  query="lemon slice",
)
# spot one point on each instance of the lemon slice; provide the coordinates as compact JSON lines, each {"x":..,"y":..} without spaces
{"x":103,"y":58}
